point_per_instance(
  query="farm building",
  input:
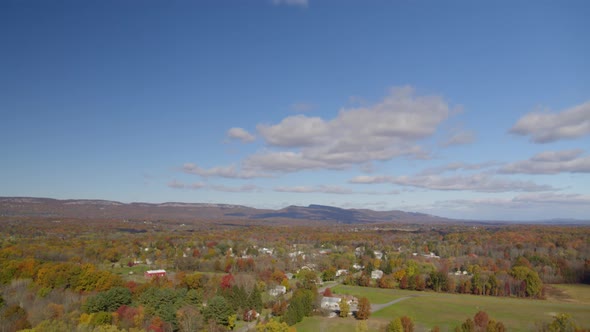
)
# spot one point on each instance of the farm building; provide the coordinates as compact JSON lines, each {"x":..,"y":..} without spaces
{"x":155,"y":273}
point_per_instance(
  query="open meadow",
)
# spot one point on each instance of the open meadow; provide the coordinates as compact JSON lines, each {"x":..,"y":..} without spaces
{"x":429,"y":309}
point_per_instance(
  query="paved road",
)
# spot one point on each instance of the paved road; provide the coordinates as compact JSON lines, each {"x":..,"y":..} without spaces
{"x":377,"y":307}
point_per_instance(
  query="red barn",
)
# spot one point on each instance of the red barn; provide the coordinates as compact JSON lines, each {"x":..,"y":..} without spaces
{"x":155,"y":273}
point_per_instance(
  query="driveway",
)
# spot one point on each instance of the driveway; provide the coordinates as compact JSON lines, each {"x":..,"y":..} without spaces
{"x":377,"y":307}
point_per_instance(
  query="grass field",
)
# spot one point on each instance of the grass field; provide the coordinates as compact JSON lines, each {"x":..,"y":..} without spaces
{"x":323,"y":324}
{"x":449,"y":310}
{"x":375,"y":295}
{"x":574,"y":293}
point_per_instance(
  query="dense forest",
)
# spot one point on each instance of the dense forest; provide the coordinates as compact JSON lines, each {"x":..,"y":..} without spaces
{"x":88,"y":275}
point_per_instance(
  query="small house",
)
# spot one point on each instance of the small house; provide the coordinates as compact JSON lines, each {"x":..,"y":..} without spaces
{"x":378,"y":254}
{"x":278,"y":290}
{"x":341,"y":272}
{"x":330,"y":303}
{"x":376,"y":274}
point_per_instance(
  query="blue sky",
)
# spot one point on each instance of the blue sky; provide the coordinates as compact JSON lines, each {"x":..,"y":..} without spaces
{"x":465,"y":109}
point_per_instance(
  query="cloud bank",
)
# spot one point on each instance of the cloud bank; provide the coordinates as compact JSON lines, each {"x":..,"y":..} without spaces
{"x":474,"y":182}
{"x":543,"y":127}
{"x":384,"y":131}
{"x":551,"y":162}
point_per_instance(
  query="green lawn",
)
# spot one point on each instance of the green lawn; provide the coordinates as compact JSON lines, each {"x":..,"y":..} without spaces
{"x":449,"y":310}
{"x":336,"y":324}
{"x":124,"y":270}
{"x":375,"y":295}
{"x":576,"y":293}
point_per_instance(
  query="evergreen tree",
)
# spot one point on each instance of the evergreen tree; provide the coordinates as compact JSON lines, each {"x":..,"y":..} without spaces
{"x":255,"y":300}
{"x":218,"y":310}
{"x":108,"y":301}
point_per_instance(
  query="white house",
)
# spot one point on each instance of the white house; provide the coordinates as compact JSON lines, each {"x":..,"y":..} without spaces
{"x":341,"y":272}
{"x":267,"y":251}
{"x":376,"y":274}
{"x":330,"y":303}
{"x":278,"y":290}
{"x":358,"y":251}
{"x":431,"y":255}
{"x":378,"y":254}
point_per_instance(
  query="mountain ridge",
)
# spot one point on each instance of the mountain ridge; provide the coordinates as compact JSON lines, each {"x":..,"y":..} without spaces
{"x":183,"y":211}
{"x":96,"y":208}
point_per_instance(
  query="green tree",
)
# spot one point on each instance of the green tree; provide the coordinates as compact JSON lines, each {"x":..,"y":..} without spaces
{"x":329,"y":274}
{"x":108,"y":301}
{"x":562,"y":323}
{"x":395,"y":326}
{"x":272,"y":326}
{"x":218,"y":310}
{"x":52,"y":326}
{"x":534,"y":285}
{"x":361,"y":326}
{"x":163,"y":303}
{"x":301,"y":305}
{"x":255,"y":300}
{"x":494,"y":326}
{"x":307,"y":279}
{"x":437,"y":281}
{"x":101,"y":318}
{"x":194,"y":297}
{"x":467,"y":326}
{"x":344,"y":308}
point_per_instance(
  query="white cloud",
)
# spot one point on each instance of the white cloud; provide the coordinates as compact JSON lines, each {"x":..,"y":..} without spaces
{"x":474,"y":182}
{"x":551,"y":162}
{"x":231,"y":172}
{"x":553,"y":198}
{"x":199,"y":185}
{"x":296,"y":131}
{"x":240,"y":134}
{"x":315,"y":189}
{"x":284,"y":161}
{"x":459,"y":138}
{"x":239,"y":189}
{"x":386,"y":130}
{"x":179,"y":185}
{"x":458,"y":166}
{"x":520,"y":201}
{"x":545,"y":127}
{"x":557,"y":156}
{"x":370,"y":179}
{"x":297,"y":3}
{"x":331,"y":190}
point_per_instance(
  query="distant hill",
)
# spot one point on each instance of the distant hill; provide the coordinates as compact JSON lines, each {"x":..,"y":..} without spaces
{"x":175,"y":211}
{"x":102,"y":209}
